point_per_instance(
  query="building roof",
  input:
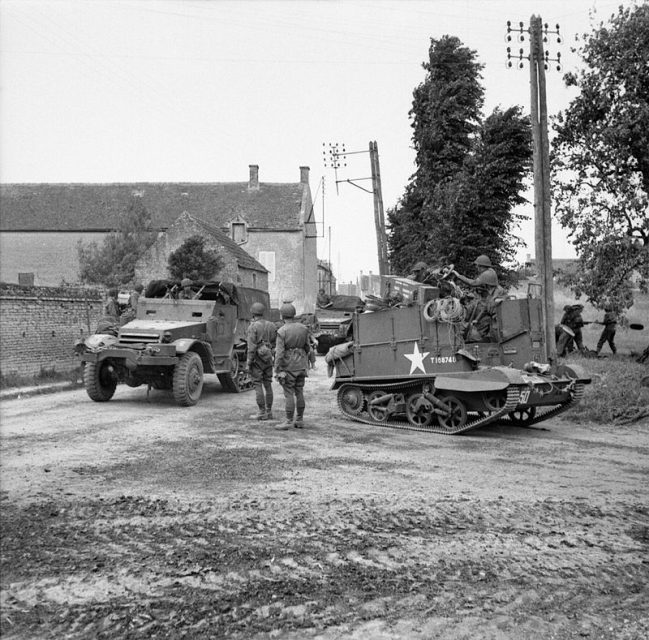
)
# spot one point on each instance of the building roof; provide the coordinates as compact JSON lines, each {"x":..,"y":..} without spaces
{"x":244,"y":259}
{"x":96,"y":207}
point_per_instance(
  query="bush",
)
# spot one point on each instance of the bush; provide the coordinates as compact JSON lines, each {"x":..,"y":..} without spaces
{"x":615,"y":395}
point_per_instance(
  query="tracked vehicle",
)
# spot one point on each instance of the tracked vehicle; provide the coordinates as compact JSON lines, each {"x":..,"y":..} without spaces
{"x":422,"y":365}
{"x":173,"y":342}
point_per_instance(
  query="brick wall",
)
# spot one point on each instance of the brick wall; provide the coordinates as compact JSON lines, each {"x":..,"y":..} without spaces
{"x":39,"y":326}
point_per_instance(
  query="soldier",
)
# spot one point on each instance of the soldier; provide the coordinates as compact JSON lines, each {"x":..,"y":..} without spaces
{"x":418,"y":272}
{"x":291,"y":363}
{"x":186,"y":292}
{"x":111,"y":309}
{"x":323,"y":301}
{"x":573,"y":320}
{"x":487,"y":278}
{"x":262,"y":336}
{"x":608,"y":333}
{"x":135,"y":296}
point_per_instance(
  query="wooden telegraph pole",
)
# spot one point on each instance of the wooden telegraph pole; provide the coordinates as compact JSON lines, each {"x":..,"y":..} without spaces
{"x":538,"y":59}
{"x":542,"y":212}
{"x":337,"y":155}
{"x":379,"y":218}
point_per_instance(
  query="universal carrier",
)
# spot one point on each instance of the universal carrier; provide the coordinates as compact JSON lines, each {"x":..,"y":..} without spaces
{"x":420,"y":366}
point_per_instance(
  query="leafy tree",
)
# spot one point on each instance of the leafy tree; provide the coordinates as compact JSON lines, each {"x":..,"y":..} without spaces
{"x":470,"y":171}
{"x":193,"y":260}
{"x":600,"y":160}
{"x":112,"y":263}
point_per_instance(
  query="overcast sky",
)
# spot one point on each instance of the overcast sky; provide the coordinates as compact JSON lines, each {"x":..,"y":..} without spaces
{"x":146,"y":90}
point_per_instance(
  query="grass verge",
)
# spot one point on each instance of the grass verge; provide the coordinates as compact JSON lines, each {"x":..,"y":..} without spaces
{"x":616,"y":394}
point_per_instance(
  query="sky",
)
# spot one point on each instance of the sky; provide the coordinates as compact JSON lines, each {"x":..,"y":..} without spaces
{"x":148,"y":90}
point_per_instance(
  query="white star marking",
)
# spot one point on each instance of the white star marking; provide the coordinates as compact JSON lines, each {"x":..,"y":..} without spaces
{"x":416,"y":359}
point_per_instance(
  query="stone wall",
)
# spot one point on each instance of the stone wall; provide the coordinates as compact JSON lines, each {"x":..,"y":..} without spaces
{"x":39,"y":326}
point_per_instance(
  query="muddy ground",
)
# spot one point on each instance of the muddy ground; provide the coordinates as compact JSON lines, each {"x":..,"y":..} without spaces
{"x":140,"y":519}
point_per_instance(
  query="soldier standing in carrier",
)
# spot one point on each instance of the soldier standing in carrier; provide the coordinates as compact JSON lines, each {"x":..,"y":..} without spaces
{"x":261,"y":343}
{"x":487,"y":279}
{"x":291,"y":362}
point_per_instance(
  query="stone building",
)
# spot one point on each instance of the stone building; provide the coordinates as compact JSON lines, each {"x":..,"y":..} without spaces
{"x":239,"y":266}
{"x":274,"y":223}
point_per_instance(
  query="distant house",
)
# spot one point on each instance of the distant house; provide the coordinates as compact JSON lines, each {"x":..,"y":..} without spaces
{"x":326,"y":278}
{"x":239,"y":266}
{"x":41,"y":224}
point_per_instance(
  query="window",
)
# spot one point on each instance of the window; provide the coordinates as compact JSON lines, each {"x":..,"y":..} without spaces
{"x":267,"y":258}
{"x":239,"y":232}
{"x":254,"y":280}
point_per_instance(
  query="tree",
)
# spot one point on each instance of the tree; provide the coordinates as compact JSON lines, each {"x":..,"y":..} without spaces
{"x":470,"y":172}
{"x":193,"y":260}
{"x":600,"y":160}
{"x":112,"y":263}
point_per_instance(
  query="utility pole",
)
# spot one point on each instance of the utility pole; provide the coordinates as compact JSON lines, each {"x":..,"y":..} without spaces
{"x":379,"y":219}
{"x":539,"y":60}
{"x":338,"y":156}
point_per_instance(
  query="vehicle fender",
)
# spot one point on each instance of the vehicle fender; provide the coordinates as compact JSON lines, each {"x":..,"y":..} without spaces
{"x":487,"y":379}
{"x":183,"y":345}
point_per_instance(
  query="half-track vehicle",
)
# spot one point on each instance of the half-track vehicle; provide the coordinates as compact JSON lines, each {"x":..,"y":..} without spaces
{"x":422,"y":365}
{"x":174,"y":341}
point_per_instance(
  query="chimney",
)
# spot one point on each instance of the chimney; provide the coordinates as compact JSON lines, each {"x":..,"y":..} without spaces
{"x":254,"y":176}
{"x":304,"y":175}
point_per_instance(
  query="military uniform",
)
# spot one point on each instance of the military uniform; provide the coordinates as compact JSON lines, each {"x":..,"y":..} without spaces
{"x":573,"y":320}
{"x":291,"y":363}
{"x":608,"y":333}
{"x":261,"y":337}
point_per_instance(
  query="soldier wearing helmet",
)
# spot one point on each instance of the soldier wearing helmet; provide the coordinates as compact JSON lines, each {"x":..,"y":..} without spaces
{"x":418,"y":272}
{"x":291,"y":363}
{"x":480,"y":312}
{"x":261,"y":336}
{"x":487,"y":280}
{"x":186,"y":293}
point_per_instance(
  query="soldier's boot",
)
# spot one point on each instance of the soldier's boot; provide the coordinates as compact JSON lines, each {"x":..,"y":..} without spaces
{"x":283,"y":426}
{"x":269,"y":414}
{"x":299,"y":423}
{"x":260,"y":415}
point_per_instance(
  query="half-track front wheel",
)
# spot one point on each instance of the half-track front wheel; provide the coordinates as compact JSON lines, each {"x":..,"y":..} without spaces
{"x":188,"y":379}
{"x":455,"y":418}
{"x":99,"y":381}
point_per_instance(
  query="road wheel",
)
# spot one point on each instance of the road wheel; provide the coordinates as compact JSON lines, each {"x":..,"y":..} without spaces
{"x":522,"y":417}
{"x":99,"y":381}
{"x":419,"y":410}
{"x":378,"y":412}
{"x":188,"y":379}
{"x":456,"y":417}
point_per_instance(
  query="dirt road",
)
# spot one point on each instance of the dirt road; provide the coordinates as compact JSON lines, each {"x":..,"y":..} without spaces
{"x":140,"y":519}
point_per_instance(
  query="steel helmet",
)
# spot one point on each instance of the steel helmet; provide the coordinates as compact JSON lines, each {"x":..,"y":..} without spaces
{"x":257,"y":309}
{"x":483,"y":261}
{"x":287,"y":310}
{"x":419,"y":266}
